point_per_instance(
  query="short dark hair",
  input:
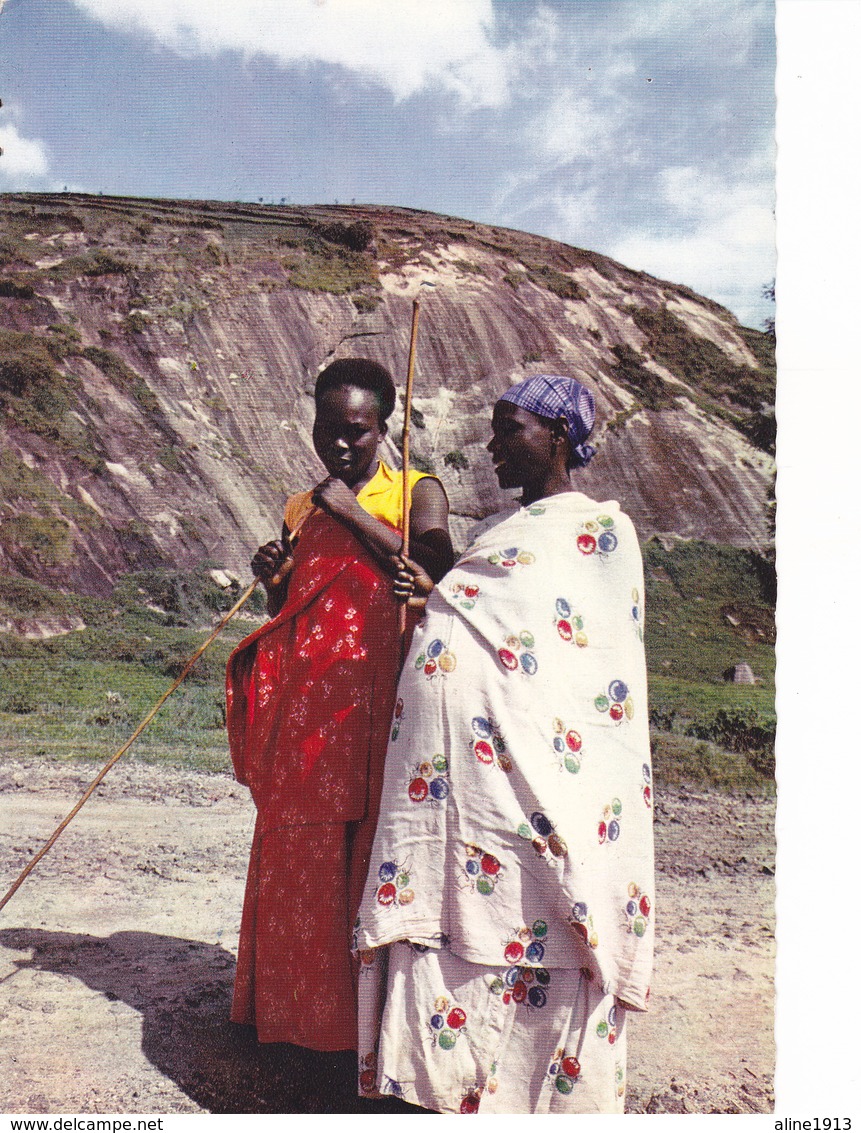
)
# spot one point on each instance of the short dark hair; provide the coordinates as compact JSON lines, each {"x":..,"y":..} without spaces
{"x":364,"y":374}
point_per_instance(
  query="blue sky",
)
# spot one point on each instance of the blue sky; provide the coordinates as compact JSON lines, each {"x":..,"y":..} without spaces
{"x":638,"y":128}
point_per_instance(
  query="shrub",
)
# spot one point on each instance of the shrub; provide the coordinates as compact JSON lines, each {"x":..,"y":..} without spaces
{"x":168,"y":456}
{"x":12,"y":290}
{"x":37,"y":395}
{"x":365,"y":303}
{"x":123,"y":376}
{"x":649,"y":388}
{"x":337,"y":272}
{"x":556,"y":282}
{"x":14,"y":701}
{"x":703,"y":364}
{"x":106,"y":263}
{"x":456,"y":460}
{"x":740,"y":731}
{"x":468,"y":267}
{"x":95,"y":263}
{"x":356,"y":236}
{"x":64,"y":339}
{"x":136,"y":322}
{"x":25,"y":362}
{"x":46,"y":536}
{"x":173,"y":660}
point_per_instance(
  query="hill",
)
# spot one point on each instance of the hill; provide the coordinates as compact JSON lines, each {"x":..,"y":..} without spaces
{"x":157,"y":361}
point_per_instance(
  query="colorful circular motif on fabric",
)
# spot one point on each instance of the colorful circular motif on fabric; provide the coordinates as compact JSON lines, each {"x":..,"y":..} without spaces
{"x":514,"y":952}
{"x":418,"y":790}
{"x":483,"y":750}
{"x":439,"y":789}
{"x":541,"y":823}
{"x":571,"y":1067}
{"x":386,"y":894}
{"x":607,"y":542}
{"x":537,"y":996}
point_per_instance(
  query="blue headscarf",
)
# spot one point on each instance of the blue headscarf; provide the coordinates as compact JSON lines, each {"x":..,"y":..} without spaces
{"x":553,"y":396}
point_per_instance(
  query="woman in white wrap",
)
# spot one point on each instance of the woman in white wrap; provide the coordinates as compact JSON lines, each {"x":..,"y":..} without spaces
{"x":506,"y":927}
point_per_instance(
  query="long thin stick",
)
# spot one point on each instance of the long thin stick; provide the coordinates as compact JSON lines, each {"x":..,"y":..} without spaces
{"x":405,"y":445}
{"x":118,"y":754}
{"x":405,"y":456}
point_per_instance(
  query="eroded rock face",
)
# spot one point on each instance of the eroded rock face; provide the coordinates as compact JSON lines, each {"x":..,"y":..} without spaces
{"x":182,"y":341}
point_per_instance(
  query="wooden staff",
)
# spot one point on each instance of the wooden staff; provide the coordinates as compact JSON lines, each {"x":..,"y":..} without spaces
{"x":291,"y":536}
{"x":405,"y":459}
{"x":118,"y":754}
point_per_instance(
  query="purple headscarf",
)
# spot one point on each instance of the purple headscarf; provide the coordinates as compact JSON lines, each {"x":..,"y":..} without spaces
{"x":553,"y":396}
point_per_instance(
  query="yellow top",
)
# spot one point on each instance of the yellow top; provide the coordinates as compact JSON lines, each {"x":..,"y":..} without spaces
{"x":382,"y":497}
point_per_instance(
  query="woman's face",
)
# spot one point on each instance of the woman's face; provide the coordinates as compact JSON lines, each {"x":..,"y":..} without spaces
{"x":521,"y":446}
{"x":347,"y":431}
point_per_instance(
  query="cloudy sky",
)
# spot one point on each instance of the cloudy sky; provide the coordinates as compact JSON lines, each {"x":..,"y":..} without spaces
{"x":639,"y":128}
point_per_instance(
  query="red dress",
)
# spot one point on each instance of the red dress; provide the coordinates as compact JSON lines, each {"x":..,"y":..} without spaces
{"x":309,"y":705}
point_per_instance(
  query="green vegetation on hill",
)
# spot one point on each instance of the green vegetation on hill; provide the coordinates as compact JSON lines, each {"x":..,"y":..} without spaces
{"x":81,"y":694}
{"x":39,"y":396}
{"x":743,"y":395}
{"x":709,"y":607}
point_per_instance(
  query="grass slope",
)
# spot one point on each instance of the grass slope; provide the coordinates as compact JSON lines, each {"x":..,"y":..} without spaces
{"x":80,"y":695}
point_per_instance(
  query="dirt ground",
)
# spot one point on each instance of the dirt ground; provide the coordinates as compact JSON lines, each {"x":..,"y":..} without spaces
{"x":117,"y":956}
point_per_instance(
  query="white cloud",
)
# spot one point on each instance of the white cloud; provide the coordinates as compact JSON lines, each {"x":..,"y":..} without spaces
{"x":729,"y":24}
{"x":24,"y":162}
{"x":569,"y":127}
{"x":577,"y":212}
{"x":718,"y":238}
{"x":404,"y":45}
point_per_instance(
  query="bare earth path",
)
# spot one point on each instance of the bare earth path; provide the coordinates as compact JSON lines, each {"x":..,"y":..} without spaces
{"x":117,"y":955}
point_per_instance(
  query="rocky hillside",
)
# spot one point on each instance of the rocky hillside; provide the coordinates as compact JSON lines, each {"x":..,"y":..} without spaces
{"x":157,"y":361}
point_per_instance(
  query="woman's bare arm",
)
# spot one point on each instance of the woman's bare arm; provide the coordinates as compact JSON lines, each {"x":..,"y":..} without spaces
{"x":430,"y":542}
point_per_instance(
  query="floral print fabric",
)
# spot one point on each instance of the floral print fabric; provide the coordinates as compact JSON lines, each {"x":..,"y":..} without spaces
{"x":457,"y":1037}
{"x":309,"y":700}
{"x":516,"y":828}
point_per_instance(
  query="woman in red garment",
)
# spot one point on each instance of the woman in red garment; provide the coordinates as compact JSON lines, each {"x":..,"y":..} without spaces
{"x":309,"y":703}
